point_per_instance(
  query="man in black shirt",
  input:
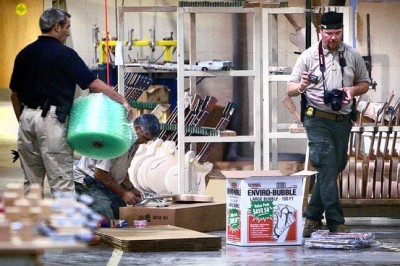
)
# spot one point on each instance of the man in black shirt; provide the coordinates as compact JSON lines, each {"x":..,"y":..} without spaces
{"x":43,"y":83}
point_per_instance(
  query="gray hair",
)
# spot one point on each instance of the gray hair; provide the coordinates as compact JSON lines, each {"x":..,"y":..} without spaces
{"x":149,"y":123}
{"x":52,"y":16}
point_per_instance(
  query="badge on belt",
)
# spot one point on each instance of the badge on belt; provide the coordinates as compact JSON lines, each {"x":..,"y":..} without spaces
{"x":310,"y":111}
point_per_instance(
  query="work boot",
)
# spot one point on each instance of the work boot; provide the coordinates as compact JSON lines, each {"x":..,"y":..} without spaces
{"x":311,"y":226}
{"x":340,"y":228}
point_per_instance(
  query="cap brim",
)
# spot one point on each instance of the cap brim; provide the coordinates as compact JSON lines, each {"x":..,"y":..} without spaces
{"x":332,"y":26}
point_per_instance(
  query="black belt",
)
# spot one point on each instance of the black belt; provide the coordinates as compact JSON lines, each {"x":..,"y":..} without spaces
{"x":41,"y":105}
{"x":314,"y":112}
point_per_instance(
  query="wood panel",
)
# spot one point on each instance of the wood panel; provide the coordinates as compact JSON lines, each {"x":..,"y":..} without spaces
{"x":16,"y":32}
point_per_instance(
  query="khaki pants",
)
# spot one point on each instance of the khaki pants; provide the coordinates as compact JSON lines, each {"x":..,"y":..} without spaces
{"x":43,"y":150}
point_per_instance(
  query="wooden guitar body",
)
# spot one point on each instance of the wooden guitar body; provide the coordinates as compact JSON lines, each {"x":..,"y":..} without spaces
{"x":378,"y":170}
{"x":361,"y":159}
{"x":360,"y":177}
{"x":298,"y":38}
{"x":370,"y":177}
{"x":375,"y":164}
{"x":387,"y":161}
{"x":352,"y":177}
{"x":352,"y":169}
{"x":344,"y":177}
{"x":394,"y":174}
{"x":394,"y":190}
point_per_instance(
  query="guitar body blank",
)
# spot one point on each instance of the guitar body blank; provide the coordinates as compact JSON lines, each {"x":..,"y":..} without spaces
{"x":345,"y":181}
{"x":141,"y":151}
{"x":359,"y":178}
{"x":378,"y":177}
{"x":386,"y":178}
{"x":370,"y":179}
{"x":152,"y":171}
{"x":352,"y":177}
{"x":202,"y":169}
{"x":171,"y":180}
{"x":138,"y":160}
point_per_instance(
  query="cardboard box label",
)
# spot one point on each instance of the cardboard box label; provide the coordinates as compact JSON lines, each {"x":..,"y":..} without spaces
{"x":264,"y":210}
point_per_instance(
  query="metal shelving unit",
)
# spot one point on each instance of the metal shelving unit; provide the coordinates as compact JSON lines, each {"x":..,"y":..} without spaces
{"x":254,"y":74}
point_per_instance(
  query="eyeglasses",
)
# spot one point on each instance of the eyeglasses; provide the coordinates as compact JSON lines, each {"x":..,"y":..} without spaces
{"x":146,"y":135}
{"x":333,"y":32}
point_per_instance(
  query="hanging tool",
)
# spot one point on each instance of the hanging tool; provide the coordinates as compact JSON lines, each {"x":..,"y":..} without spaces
{"x":368,"y":58}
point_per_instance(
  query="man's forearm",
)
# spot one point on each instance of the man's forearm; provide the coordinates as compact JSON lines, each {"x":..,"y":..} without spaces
{"x":16,"y":104}
{"x":101,"y":87}
{"x":359,"y":88}
{"x":126,"y":184}
{"x":294,"y":89}
{"x":107,"y":181}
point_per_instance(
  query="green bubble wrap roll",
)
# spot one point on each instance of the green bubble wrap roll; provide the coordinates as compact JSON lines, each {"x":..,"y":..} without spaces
{"x":98,"y":127}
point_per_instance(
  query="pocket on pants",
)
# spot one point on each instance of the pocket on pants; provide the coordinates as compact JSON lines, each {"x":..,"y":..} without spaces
{"x":56,"y":135}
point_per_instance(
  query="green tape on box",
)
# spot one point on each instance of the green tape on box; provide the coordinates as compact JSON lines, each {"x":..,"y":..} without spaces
{"x":98,"y":127}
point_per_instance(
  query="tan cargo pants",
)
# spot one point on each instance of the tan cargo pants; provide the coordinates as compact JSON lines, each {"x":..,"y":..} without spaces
{"x":43,"y":150}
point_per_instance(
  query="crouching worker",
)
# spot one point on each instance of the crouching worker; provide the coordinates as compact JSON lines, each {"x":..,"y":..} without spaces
{"x":107,"y":181}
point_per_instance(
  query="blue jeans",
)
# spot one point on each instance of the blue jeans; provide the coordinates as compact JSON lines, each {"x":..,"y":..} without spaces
{"x":328,"y":144}
{"x":105,"y":202}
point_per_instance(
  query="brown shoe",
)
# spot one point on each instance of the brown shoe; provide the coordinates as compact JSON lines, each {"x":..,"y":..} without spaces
{"x":311,"y":226}
{"x":340,"y":228}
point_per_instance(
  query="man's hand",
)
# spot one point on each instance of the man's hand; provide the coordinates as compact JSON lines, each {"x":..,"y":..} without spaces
{"x":347,"y":97}
{"x":129,"y":110}
{"x":130,"y":198}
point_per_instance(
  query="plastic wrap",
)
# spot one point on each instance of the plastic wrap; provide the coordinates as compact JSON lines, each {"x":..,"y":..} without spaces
{"x":325,"y":239}
{"x":98,"y":127}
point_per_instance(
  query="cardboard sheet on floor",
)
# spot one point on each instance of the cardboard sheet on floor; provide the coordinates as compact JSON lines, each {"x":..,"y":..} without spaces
{"x":159,"y":238}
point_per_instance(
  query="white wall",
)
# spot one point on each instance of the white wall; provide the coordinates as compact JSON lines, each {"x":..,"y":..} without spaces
{"x":384,"y":18}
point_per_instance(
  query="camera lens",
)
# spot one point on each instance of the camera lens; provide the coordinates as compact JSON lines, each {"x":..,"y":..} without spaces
{"x":334,"y":97}
{"x":336,"y":103}
{"x":337,"y":96}
{"x":314,"y":79}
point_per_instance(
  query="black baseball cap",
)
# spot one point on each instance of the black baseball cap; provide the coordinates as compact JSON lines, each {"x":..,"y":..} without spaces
{"x":332,"y":20}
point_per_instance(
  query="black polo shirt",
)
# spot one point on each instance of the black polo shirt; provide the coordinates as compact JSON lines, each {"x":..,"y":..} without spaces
{"x":46,"y":68}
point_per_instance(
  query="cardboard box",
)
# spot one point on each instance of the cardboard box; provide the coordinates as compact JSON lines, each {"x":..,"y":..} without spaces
{"x":263,"y":208}
{"x":202,"y":217}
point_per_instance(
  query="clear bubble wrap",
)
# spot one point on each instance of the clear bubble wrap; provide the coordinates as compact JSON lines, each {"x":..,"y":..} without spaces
{"x":355,"y":240}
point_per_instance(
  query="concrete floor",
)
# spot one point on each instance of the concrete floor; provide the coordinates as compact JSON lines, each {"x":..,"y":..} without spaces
{"x":386,"y":230}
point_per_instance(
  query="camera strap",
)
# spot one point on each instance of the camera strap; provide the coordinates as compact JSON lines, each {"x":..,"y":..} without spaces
{"x":322,"y":67}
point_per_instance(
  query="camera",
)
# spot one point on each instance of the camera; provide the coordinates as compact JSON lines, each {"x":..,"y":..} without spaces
{"x":313,"y":79}
{"x":334,"y":97}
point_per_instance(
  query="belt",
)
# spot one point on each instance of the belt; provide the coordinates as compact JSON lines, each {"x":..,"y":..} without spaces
{"x":41,"y":105}
{"x":314,"y":112}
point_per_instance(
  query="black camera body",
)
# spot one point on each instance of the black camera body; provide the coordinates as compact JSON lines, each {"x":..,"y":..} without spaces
{"x":334,"y":97}
{"x":313,"y":79}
